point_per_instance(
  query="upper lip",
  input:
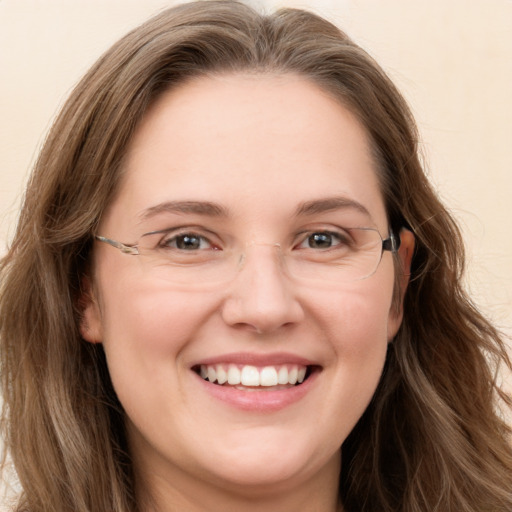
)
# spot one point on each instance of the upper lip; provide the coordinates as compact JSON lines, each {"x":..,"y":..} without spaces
{"x":245,"y":358}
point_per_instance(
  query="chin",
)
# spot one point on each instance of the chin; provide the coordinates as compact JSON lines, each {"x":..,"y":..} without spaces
{"x":271,"y":464}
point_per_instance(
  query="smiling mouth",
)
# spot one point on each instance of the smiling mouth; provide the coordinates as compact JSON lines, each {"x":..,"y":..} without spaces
{"x":252,"y":378}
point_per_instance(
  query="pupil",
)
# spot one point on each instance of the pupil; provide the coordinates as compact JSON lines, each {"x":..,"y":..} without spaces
{"x":188,"y":242}
{"x":320,"y":240}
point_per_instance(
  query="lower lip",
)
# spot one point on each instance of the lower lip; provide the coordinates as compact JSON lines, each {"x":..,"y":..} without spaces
{"x":259,"y":400}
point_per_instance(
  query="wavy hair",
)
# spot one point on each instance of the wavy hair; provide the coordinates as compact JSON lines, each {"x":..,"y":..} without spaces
{"x":432,"y":438}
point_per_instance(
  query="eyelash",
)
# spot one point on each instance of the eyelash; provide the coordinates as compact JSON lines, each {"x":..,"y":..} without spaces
{"x":342,"y":239}
{"x":171,"y":242}
{"x":165,"y":243}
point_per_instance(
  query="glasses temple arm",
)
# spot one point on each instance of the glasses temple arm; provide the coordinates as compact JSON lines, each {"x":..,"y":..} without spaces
{"x":126,"y":249}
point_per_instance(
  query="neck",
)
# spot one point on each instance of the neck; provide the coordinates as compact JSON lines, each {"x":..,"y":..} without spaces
{"x":174,"y":491}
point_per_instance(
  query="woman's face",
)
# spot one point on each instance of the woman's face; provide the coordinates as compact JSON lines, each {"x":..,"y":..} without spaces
{"x":242,"y":163}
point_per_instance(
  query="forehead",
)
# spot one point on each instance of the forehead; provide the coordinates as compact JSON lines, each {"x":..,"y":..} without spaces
{"x":253,"y":143}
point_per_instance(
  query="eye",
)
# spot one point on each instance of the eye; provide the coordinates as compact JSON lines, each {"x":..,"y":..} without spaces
{"x":187,"y":242}
{"x":322,"y":240}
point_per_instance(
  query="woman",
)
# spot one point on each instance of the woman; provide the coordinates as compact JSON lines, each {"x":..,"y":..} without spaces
{"x":243,"y":292}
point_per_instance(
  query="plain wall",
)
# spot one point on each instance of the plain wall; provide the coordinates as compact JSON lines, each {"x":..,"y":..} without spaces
{"x":451,"y":58}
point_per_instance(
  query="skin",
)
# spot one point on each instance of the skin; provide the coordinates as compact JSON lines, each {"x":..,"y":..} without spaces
{"x":258,"y":145}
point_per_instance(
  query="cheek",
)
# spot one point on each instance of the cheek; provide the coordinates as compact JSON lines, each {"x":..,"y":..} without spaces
{"x":355,"y":321}
{"x":359,"y":336}
{"x":146,"y":326}
{"x":146,"y":331}
{"x":139,"y":310}
{"x":356,"y":317}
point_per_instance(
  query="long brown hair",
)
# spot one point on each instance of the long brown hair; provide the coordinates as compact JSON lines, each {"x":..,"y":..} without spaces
{"x":432,"y":439}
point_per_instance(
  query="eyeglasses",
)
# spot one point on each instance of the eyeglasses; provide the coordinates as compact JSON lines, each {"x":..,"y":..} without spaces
{"x":195,"y":257}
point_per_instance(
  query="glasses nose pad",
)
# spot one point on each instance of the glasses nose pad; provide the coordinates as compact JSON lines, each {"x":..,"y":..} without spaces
{"x":250,"y":247}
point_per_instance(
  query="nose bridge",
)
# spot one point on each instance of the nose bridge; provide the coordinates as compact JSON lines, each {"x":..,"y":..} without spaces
{"x":261,"y":266}
{"x":259,"y":252}
{"x":261,"y":295}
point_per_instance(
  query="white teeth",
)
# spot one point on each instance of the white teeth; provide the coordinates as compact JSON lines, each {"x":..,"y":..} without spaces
{"x":253,"y":376}
{"x":250,"y":376}
{"x":212,"y":374}
{"x":222,"y":376}
{"x":233,"y":375}
{"x":282,"y":376}
{"x":268,"y":376}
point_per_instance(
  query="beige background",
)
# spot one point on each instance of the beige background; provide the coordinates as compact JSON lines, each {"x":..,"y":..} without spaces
{"x":451,"y":58}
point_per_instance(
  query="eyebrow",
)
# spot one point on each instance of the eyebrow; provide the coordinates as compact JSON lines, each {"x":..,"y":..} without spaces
{"x":211,"y":209}
{"x":206,"y":208}
{"x":328,"y":204}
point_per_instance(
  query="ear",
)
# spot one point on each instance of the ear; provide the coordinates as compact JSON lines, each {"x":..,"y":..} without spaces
{"x":405,"y":253}
{"x":90,"y":326}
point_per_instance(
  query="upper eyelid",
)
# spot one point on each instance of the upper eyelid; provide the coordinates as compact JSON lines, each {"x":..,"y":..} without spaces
{"x":332,"y":230}
{"x":339,"y":231}
{"x":171,"y":234}
{"x":214,"y":237}
{"x":197,"y":230}
{"x":338,"y":235}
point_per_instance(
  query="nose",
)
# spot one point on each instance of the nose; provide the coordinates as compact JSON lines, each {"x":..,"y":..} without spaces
{"x":261,"y":298}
